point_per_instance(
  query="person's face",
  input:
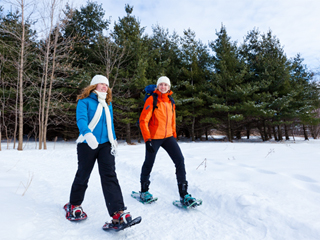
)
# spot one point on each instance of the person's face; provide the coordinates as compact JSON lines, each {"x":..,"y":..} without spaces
{"x":163,"y":87}
{"x":102,"y":87}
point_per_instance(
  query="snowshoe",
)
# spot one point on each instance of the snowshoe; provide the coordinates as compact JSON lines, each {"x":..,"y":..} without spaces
{"x":120,"y":222}
{"x":188,"y":202}
{"x":145,"y":198}
{"x":74,"y":213}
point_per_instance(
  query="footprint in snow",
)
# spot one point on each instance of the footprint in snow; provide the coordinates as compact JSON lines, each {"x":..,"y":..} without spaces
{"x":266,"y":171}
{"x":304,"y":178}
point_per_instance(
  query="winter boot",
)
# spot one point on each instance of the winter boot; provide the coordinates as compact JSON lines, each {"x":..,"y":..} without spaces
{"x":146,"y":196}
{"x":121,"y":217}
{"x":187,"y":200}
{"x":74,"y":212}
{"x":185,"y":197}
{"x":120,"y":220}
{"x":183,"y":189}
{"x":145,"y":186}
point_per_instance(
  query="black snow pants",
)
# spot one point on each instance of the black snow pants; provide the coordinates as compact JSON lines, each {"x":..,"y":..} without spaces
{"x":172,"y":148}
{"x":107,"y":170}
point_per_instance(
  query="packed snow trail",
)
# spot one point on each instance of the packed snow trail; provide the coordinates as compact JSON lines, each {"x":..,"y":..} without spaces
{"x":250,"y":190}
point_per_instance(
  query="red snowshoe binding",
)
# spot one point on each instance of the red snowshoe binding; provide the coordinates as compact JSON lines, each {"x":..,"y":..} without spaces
{"x":74,"y":213}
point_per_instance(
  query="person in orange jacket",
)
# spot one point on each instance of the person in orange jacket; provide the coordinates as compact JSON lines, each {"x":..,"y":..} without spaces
{"x":158,"y":127}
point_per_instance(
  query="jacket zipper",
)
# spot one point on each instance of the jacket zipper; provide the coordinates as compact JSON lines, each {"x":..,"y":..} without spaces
{"x":165,"y":135}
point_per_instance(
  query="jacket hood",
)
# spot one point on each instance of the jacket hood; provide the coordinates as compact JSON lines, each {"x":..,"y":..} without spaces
{"x":93,"y":95}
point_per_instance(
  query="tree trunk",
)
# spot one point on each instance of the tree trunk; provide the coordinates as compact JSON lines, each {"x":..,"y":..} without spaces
{"x":55,"y":45}
{"x":265,"y":131}
{"x":229,"y":130}
{"x":39,"y":115}
{"x":293,"y":133}
{"x":20,"y":144}
{"x":248,"y":132}
{"x":260,"y":131}
{"x":238,"y":134}
{"x":50,"y":87}
{"x":274,"y":133}
{"x":305,"y":132}
{"x":192,"y":129}
{"x":207,"y":134}
{"x":128,"y":132}
{"x":269,"y":132}
{"x":16,"y":116}
{"x":286,"y":132}
{"x":43,"y":100}
{"x":280,"y":133}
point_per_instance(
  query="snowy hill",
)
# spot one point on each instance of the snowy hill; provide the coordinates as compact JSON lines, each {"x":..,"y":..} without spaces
{"x":249,"y":191}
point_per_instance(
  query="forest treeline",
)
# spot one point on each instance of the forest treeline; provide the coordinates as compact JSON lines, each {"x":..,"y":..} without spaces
{"x":235,"y":88}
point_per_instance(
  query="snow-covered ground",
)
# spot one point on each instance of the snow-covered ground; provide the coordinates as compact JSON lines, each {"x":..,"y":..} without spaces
{"x":250,"y":190}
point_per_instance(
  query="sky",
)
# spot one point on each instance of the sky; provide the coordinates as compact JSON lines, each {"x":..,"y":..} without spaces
{"x":296,"y":23}
{"x":250,"y":190}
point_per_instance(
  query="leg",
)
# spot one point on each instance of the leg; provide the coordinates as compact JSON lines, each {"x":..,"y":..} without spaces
{"x":86,"y":160}
{"x":174,"y":151}
{"x":109,"y":181}
{"x":148,"y":164}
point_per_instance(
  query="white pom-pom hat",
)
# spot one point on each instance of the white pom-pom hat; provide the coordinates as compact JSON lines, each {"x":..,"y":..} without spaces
{"x":164,"y":80}
{"x":99,"y":79}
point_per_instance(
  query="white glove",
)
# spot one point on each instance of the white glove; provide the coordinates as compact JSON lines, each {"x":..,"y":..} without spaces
{"x":116,"y":143}
{"x":91,"y":140}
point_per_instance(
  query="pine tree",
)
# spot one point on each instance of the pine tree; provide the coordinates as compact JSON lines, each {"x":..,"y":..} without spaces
{"x":228,"y":91}
{"x":129,"y":35}
{"x":269,"y":72}
{"x":303,"y":110}
{"x":85,"y":26}
{"x":190,"y":85}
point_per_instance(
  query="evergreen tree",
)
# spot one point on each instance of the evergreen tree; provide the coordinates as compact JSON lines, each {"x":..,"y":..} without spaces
{"x":269,"y":72}
{"x":191,"y":84}
{"x":85,"y":25}
{"x":228,"y":91}
{"x":164,"y":55}
{"x":129,"y":35}
{"x":303,"y":110}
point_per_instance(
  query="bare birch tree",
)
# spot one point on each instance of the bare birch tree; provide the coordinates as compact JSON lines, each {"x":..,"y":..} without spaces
{"x":51,"y":6}
{"x":111,"y":56}
{"x":25,"y":9}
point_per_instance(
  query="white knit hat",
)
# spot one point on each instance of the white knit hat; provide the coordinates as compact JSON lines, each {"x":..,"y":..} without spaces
{"x":164,"y":79}
{"x":99,"y":79}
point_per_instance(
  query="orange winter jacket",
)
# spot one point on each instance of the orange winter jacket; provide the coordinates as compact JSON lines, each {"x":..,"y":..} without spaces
{"x":161,"y":122}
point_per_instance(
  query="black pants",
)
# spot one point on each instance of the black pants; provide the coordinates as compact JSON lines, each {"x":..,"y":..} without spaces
{"x":172,"y":148}
{"x":107,"y":170}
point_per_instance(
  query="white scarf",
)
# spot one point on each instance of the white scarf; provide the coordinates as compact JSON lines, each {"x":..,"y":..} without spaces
{"x":102,"y":104}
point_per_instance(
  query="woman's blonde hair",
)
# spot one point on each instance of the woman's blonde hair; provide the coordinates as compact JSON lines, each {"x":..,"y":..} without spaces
{"x":86,"y":92}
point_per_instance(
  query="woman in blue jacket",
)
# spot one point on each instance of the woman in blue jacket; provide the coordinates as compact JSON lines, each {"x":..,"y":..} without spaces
{"x":97,"y":141}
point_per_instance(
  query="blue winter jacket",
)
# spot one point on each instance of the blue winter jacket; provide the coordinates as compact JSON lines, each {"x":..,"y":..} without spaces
{"x":86,"y":108}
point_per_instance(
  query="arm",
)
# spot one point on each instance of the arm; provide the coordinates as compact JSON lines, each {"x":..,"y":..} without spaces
{"x":174,"y":131}
{"x":145,"y":117}
{"x":82,"y":117}
{"x":82,"y":122}
{"x":111,"y":114}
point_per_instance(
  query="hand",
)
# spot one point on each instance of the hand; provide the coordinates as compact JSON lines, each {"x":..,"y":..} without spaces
{"x":91,"y":140}
{"x":149,"y":146}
